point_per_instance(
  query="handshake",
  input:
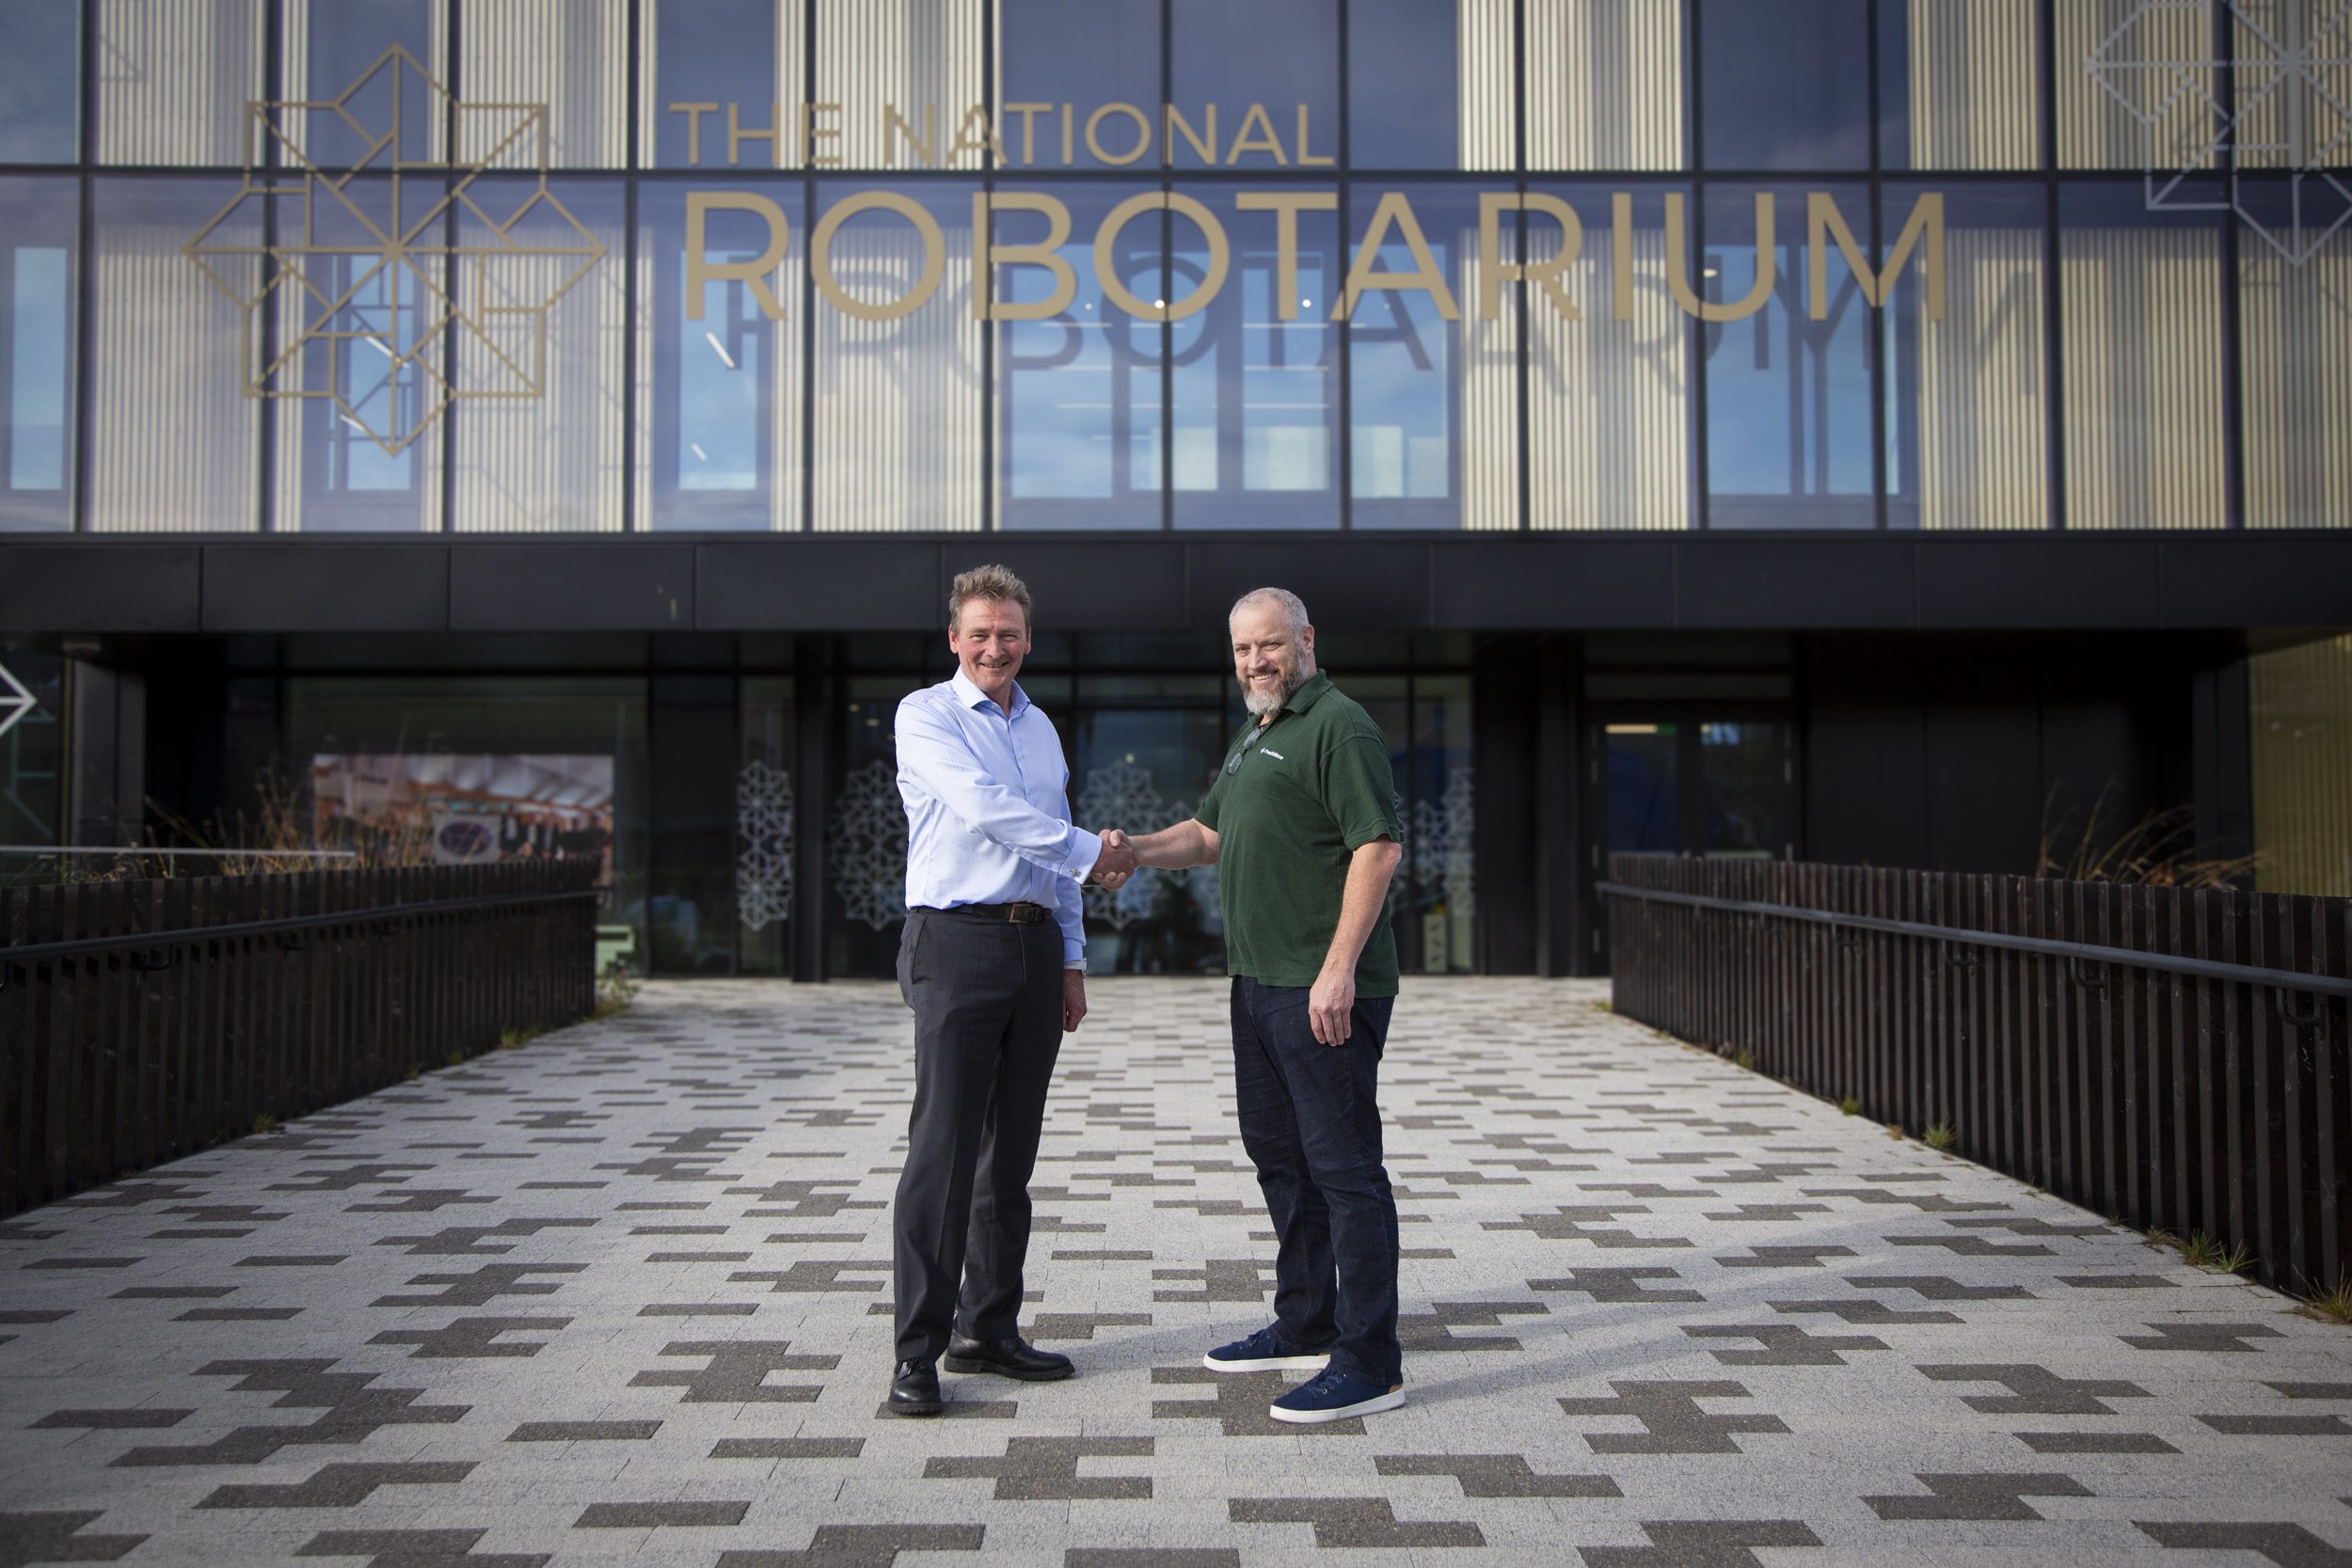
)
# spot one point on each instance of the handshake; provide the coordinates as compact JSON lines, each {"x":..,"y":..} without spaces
{"x":1117,"y":861}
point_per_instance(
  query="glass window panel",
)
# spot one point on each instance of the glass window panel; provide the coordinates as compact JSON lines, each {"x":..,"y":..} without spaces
{"x":725,"y":86}
{"x":40,"y":76}
{"x":172,"y":443}
{"x":1429,"y":84}
{"x":2300,"y":700}
{"x":550,"y":766}
{"x":1078,"y":411}
{"x":32,"y":765}
{"x":541,"y":321}
{"x":568,"y":58}
{"x":2135,"y":88}
{"x":391,"y":110}
{"x":1080,"y":53}
{"x":1747,"y":805}
{"x":1440,"y":840}
{"x":1434,"y":402}
{"x":174,"y":81}
{"x":865,"y":832}
{"x":1256,"y":396}
{"x":691,"y":914}
{"x":1785,"y":84}
{"x":2294,"y":355}
{"x":725,"y":390}
{"x":2292,"y":72}
{"x":2141,"y":309}
{"x":1958,"y":84}
{"x":1230,"y":55}
{"x":1644,"y":797}
{"x":1147,"y":750}
{"x":1604,"y":85}
{"x":38,"y":246}
{"x":1609,"y":401}
{"x":1967,"y":405}
{"x":919,"y":58}
{"x":1788,"y":397}
{"x":359,"y":360}
{"x":898,"y":399}
{"x":767,"y":808}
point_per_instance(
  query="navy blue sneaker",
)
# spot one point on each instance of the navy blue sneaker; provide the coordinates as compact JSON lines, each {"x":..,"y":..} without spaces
{"x":1264,"y":1352}
{"x":1334,"y":1396}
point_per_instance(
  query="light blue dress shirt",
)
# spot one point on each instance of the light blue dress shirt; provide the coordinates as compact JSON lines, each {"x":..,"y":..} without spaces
{"x":988,"y":808}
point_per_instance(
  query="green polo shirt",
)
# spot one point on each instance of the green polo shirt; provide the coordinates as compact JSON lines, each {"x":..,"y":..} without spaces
{"x":1294,"y":799}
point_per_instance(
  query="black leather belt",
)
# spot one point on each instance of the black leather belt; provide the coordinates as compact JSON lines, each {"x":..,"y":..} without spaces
{"x":1018,"y":914}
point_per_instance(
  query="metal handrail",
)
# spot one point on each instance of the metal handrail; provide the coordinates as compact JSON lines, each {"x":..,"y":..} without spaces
{"x":2209,"y":969}
{"x":181,"y":935}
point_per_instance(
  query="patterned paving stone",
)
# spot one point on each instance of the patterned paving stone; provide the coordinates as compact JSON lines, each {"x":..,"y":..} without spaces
{"x":1353,"y":1522}
{"x":1977,"y":1496}
{"x":623,"y":1296}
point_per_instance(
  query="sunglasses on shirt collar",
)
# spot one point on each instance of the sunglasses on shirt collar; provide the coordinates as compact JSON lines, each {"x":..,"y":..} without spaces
{"x":1234,"y":764}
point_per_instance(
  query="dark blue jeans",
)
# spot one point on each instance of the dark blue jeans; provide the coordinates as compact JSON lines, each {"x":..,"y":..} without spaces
{"x":1311,"y":1119}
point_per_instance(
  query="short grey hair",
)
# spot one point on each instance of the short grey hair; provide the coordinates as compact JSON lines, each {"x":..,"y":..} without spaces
{"x":1294,"y":608}
{"x":987,"y":582}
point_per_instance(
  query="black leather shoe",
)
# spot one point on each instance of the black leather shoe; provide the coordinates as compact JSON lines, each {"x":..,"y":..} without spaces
{"x":1011,"y":1356}
{"x":915,"y":1389}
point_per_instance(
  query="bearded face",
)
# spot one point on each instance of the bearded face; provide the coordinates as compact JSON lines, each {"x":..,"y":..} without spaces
{"x":1269,"y":660}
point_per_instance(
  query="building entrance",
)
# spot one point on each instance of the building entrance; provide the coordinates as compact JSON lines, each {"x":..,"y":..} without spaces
{"x":1719,"y":782}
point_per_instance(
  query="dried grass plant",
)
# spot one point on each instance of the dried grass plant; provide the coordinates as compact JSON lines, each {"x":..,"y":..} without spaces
{"x":2158,"y":850}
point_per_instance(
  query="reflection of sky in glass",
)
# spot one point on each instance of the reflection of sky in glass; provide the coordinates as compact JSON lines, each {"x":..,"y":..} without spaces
{"x":1403,"y":83}
{"x":1786,"y":83}
{"x":37,"y":369}
{"x":1077,"y":383}
{"x":720,"y":375}
{"x":1402,"y":375}
{"x":1789,"y":398}
{"x":382,"y":396}
{"x":1255,"y":396}
{"x":1235,"y":52}
{"x":719,"y":52}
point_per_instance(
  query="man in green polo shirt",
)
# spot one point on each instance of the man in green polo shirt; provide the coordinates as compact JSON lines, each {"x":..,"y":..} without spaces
{"x":1302,"y":828}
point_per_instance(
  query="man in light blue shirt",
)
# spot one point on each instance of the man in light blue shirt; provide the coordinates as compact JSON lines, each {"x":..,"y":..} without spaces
{"x":993,"y":960}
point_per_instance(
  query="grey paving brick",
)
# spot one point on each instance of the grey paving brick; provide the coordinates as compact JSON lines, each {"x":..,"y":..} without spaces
{"x":1353,"y":1522}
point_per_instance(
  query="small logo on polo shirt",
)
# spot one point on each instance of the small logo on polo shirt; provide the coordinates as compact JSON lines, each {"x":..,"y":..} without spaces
{"x":1274,"y":755}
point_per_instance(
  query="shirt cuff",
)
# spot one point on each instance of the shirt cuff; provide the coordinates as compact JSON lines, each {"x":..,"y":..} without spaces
{"x":1085,"y":850}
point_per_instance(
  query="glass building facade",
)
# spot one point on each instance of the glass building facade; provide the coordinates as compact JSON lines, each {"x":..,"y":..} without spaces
{"x":1426,"y":270}
{"x":1429,"y":265}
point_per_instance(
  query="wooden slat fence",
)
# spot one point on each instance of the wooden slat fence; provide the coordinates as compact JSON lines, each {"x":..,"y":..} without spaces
{"x":141,"y":1020}
{"x":2173,"y":1057}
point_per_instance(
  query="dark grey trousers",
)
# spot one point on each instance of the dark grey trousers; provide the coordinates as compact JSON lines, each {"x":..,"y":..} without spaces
{"x":987,"y":1000}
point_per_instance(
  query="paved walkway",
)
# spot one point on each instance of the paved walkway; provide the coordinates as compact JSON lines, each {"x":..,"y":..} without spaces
{"x":622,"y":1295}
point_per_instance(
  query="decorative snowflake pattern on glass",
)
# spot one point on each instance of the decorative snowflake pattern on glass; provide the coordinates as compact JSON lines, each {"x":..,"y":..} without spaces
{"x":1442,"y":843}
{"x":1125,"y":796}
{"x":868,"y":847}
{"x":763,"y":830}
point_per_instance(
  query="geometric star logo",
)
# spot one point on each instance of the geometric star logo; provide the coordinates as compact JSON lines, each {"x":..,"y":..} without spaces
{"x":16,"y":701}
{"x":2292,"y":115}
{"x":364,"y":268}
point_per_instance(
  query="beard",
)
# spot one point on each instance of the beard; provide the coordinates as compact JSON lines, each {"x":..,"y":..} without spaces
{"x":1291,"y":674}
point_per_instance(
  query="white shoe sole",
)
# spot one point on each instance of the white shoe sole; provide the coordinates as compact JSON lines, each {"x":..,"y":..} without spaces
{"x":1373,"y":1406}
{"x":1271,"y":1364}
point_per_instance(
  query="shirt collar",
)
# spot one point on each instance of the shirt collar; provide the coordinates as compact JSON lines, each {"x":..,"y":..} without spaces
{"x":972,"y":696}
{"x":1309,"y":693}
